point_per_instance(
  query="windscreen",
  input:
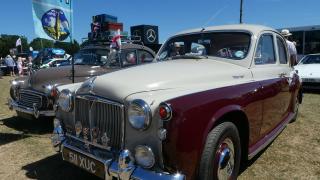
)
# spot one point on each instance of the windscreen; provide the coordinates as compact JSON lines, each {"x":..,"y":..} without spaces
{"x":230,"y":45}
{"x":94,"y":57}
{"x":311,"y":59}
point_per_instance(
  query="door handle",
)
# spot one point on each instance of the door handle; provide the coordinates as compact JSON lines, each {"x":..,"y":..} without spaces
{"x":282,"y":75}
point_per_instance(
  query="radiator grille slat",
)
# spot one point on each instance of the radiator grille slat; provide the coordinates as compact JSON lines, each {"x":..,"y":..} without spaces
{"x":101,"y":118}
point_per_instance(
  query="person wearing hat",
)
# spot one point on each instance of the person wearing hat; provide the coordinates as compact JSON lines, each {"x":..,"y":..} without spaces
{"x":291,"y":47}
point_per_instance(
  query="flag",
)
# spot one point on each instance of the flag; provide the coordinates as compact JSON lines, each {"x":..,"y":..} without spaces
{"x":18,"y":42}
{"x":53,"y":19}
{"x":116,"y":40}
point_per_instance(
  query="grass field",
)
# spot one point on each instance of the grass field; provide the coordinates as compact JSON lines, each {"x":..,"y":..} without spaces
{"x":26,"y":153}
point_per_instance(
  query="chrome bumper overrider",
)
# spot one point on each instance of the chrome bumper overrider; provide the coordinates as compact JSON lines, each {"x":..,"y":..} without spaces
{"x":122,"y":168}
{"x":13,"y":105}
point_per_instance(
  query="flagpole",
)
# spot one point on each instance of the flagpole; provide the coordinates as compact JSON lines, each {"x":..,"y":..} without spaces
{"x":241,"y":6}
{"x":71,"y":33}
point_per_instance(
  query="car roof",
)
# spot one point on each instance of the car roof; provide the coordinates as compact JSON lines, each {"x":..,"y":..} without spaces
{"x":255,"y":29}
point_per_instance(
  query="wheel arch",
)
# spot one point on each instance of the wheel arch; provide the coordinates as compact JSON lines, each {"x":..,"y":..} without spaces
{"x":238,"y":117}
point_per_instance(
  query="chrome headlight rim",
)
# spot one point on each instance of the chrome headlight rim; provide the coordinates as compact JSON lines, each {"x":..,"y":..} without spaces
{"x":68,"y":97}
{"x":146,"y":111}
{"x":14,"y":89}
{"x":145,"y":149}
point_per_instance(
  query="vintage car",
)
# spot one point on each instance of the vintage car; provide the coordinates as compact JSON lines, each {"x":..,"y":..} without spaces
{"x":218,"y":97}
{"x":35,"y":95}
{"x":309,"y":71}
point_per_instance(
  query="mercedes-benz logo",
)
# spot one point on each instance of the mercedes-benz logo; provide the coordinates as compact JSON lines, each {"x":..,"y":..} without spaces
{"x":151,"y":35}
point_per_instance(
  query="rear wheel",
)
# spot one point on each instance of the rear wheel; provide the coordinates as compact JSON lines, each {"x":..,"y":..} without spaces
{"x":222,"y":153}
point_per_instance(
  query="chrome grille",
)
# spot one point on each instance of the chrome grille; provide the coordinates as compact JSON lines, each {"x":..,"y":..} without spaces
{"x":28,"y":98}
{"x":102,"y":118}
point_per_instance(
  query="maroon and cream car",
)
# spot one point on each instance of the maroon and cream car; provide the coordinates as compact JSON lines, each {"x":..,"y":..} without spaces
{"x":218,"y":97}
{"x":35,"y":95}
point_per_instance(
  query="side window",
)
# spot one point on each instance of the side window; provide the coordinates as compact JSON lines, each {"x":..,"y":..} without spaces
{"x":265,"y":51}
{"x":145,"y":57}
{"x":129,"y":58}
{"x":282,"y":51}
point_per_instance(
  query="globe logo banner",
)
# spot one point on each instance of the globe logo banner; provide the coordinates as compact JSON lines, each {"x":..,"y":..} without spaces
{"x":53,"y":19}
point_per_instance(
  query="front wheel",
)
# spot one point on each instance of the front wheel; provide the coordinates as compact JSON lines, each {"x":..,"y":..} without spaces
{"x":222,"y":153}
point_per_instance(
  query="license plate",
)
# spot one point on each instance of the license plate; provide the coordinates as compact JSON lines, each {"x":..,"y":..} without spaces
{"x":84,"y":162}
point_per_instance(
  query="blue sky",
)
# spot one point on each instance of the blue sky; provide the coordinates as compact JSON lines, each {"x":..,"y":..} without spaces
{"x":170,"y":15}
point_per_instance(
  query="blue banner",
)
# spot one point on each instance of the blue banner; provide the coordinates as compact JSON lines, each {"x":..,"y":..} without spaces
{"x":53,"y":19}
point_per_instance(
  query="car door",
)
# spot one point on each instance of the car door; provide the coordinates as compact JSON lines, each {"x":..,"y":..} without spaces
{"x":285,"y":75}
{"x":267,"y":71}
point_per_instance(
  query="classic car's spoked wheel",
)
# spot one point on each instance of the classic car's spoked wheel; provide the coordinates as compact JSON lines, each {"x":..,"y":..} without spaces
{"x":221,"y":155}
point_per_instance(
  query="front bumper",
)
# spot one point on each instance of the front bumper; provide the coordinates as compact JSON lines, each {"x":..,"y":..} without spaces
{"x":121,"y":167}
{"x":13,"y":105}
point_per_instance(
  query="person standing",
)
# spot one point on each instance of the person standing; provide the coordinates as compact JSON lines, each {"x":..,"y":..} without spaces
{"x":291,"y":47}
{"x":29,"y":65}
{"x":11,"y":64}
{"x":19,"y":66}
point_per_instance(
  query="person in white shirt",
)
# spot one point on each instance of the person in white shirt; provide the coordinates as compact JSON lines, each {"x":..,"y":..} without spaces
{"x":20,"y":66}
{"x":291,"y":47}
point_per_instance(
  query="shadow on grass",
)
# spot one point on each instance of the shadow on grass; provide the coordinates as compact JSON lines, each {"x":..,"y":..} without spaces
{"x":55,"y":168}
{"x":247,"y":164}
{"x":36,"y":126}
{"x":10,"y":137}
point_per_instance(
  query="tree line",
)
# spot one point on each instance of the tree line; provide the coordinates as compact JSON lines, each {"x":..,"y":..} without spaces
{"x":8,"y":42}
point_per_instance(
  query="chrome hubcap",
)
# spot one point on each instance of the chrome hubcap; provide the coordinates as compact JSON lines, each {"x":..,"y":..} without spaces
{"x":225,"y":157}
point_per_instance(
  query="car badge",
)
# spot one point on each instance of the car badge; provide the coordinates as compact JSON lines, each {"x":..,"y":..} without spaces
{"x":78,"y":128}
{"x":95,"y":134}
{"x":85,"y":132}
{"x":310,"y":74}
{"x":151,"y":35}
{"x":105,"y":139}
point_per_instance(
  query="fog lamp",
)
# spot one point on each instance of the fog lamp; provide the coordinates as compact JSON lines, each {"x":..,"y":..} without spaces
{"x":144,"y":156}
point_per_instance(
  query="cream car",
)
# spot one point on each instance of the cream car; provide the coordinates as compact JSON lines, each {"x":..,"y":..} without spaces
{"x":217,"y":96}
{"x":309,"y":71}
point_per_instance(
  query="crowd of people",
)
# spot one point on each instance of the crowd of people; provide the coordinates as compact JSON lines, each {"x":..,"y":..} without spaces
{"x":23,"y":65}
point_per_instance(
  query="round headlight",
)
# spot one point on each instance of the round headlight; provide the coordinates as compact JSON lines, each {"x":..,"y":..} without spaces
{"x":139,"y":114}
{"x":65,"y":101}
{"x":14,"y":90}
{"x":144,"y":156}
